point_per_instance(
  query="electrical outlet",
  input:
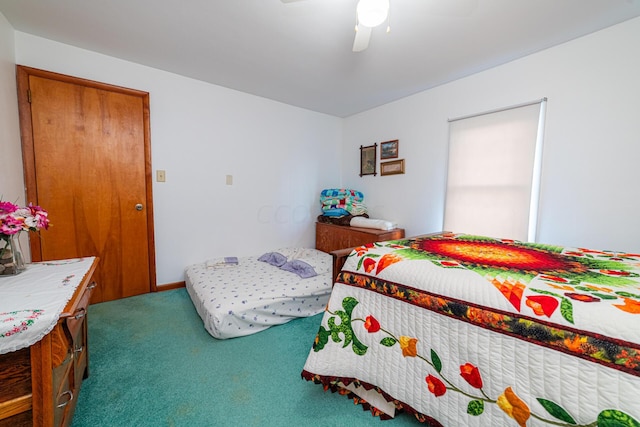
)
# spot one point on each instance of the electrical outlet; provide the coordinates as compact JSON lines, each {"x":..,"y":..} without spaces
{"x":229,"y":179}
{"x":161,"y":175}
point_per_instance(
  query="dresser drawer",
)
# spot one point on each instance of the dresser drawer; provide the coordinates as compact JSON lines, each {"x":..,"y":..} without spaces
{"x":76,"y":321}
{"x":63,"y":386}
{"x":79,"y":347}
{"x":330,"y":237}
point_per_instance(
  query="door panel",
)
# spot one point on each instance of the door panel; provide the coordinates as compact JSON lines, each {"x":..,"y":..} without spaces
{"x":90,"y":170}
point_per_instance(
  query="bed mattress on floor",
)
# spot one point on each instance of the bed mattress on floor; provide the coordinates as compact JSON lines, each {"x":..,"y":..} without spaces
{"x":243,"y":299}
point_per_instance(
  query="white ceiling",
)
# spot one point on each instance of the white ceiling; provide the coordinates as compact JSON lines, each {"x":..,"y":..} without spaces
{"x":300,"y":53}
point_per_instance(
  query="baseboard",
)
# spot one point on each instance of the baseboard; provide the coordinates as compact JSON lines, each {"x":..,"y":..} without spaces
{"x":169,"y":286}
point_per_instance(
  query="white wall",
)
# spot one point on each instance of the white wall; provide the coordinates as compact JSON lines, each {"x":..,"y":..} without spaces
{"x":280,"y":158}
{"x":11,"y":180}
{"x":11,"y":176}
{"x":591,"y":149}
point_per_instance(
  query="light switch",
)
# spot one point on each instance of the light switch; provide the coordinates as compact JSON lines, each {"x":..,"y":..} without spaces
{"x":229,"y":179}
{"x":161,"y":175}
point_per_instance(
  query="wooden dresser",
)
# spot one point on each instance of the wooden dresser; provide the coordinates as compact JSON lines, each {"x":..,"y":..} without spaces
{"x":339,"y":239}
{"x":330,"y":237}
{"x":39,"y":385}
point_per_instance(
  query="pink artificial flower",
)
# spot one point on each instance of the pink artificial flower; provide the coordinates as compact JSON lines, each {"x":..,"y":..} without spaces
{"x":7,"y":207}
{"x":10,"y":225}
{"x":40,"y":215}
{"x":14,"y":219}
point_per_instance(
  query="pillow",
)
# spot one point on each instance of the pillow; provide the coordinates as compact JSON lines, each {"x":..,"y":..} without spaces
{"x":320,"y":261}
{"x":273,"y":258}
{"x":288,"y":252}
{"x":300,"y":268}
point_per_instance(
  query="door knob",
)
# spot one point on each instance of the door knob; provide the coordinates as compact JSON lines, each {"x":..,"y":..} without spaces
{"x":139,"y":207}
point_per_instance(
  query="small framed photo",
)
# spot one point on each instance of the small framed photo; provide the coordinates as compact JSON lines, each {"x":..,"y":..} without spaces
{"x":389,"y":150}
{"x":368,"y":160}
{"x":392,"y":168}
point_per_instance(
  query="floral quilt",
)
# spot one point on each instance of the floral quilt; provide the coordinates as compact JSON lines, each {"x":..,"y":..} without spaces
{"x":471,"y":330}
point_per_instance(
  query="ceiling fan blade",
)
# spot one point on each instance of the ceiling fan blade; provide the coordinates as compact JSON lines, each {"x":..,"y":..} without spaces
{"x":361,"y":42}
{"x":290,"y":1}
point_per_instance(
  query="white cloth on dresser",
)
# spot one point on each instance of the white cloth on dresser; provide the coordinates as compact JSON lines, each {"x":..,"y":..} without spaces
{"x":31,"y":302}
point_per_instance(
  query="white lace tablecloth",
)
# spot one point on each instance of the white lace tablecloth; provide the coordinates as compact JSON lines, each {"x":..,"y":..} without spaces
{"x":31,"y":302}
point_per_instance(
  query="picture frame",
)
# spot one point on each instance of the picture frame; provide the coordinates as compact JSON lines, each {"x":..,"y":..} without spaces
{"x":389,"y":149}
{"x":368,"y":160}
{"x":393,"y":167}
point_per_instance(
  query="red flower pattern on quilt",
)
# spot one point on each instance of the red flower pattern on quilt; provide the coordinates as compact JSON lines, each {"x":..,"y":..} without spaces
{"x":471,"y":374}
{"x":438,"y":384}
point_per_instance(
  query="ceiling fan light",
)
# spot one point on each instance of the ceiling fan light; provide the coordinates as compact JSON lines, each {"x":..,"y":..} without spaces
{"x":372,"y":13}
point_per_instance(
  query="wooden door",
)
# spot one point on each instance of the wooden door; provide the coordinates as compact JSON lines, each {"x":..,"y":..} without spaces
{"x":87,"y":162}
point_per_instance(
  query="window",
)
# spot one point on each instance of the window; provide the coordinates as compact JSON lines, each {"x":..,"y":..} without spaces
{"x":494,"y":172}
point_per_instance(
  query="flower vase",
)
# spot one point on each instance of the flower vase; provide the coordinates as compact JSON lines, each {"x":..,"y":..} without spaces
{"x":11,"y":259}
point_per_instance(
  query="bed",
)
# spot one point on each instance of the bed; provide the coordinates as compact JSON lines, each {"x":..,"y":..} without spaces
{"x":239,"y":299}
{"x":462,"y":330}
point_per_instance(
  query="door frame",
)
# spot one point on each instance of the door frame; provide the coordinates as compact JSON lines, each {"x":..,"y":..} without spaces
{"x":28,"y":154}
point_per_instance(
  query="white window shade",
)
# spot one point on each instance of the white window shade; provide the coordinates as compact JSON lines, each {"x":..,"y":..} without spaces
{"x":494,"y":173}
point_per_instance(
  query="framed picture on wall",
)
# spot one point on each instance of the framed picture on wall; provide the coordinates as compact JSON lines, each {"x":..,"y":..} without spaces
{"x":392,"y":168}
{"x":368,"y":160}
{"x":389,"y":150}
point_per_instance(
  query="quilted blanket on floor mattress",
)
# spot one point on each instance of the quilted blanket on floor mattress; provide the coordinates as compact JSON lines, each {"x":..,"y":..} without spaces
{"x":239,"y":300}
{"x":463,"y":330}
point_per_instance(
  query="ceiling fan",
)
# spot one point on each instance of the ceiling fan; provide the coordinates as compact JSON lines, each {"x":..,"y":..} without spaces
{"x":369,"y":14}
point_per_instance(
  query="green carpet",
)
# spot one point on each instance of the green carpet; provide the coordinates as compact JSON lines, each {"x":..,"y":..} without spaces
{"x":153,"y":364}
